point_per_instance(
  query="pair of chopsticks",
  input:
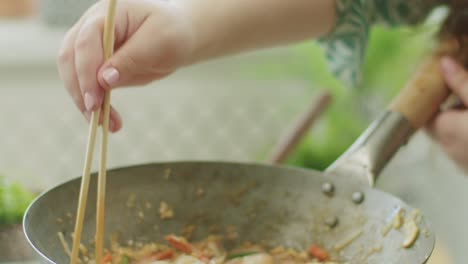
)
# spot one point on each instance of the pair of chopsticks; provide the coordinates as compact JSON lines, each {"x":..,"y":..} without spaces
{"x":108,"y":46}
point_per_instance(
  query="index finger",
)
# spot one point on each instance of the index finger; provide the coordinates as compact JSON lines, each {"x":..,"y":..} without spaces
{"x":88,"y":59}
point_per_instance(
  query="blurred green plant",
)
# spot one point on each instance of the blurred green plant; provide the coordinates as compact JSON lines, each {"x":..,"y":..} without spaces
{"x":391,"y":57}
{"x":14,"y":199}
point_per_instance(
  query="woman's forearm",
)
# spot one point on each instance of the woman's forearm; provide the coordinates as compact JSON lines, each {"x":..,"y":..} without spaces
{"x":223,"y":27}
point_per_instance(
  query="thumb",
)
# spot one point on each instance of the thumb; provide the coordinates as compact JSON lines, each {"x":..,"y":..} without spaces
{"x":124,"y":65}
{"x":456,"y":77}
{"x":143,"y":57}
{"x":118,"y":70}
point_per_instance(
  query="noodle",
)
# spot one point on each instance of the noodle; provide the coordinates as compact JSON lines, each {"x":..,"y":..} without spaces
{"x":64,"y":243}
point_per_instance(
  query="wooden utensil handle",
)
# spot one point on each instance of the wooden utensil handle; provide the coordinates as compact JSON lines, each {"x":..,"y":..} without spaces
{"x":292,"y":138}
{"x":423,"y":95}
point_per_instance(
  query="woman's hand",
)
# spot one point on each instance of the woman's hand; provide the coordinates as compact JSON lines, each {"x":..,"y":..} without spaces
{"x":155,"y":37}
{"x":152,"y":39}
{"x":450,"y":128}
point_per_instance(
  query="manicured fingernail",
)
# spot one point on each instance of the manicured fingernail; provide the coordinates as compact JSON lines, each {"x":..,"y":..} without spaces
{"x":90,"y":102}
{"x":449,"y":66}
{"x":111,"y":76}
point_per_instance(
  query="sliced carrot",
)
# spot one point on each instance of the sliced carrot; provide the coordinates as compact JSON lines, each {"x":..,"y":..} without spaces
{"x":203,"y":256}
{"x":107,"y":258}
{"x":318,"y":253}
{"x":179,"y":243}
{"x":162,"y":255}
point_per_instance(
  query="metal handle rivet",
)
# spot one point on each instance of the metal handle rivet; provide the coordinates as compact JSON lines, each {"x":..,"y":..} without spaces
{"x":358,"y":197}
{"x":331,"y":222}
{"x":328,"y":188}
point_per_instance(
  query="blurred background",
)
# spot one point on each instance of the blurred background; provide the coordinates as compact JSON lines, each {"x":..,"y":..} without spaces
{"x":230,"y":109}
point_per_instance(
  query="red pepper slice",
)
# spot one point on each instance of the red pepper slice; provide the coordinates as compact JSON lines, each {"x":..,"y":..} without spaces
{"x":162,"y":255}
{"x":203,"y":256}
{"x":179,"y":243}
{"x":318,"y":253}
{"x":107,"y":258}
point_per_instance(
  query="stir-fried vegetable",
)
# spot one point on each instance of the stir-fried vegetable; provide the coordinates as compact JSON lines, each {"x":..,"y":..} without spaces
{"x":179,"y":243}
{"x":107,"y":258}
{"x":125,"y":260}
{"x":241,"y":254}
{"x":211,"y":251}
{"x":258,"y":258}
{"x":412,"y":233}
{"x":163,"y":255}
{"x":318,"y":253}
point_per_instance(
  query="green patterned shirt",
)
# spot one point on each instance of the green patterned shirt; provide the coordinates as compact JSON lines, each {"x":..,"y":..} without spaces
{"x":345,"y":46}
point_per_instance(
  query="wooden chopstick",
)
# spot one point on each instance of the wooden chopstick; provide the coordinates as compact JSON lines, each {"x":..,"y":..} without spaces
{"x":101,"y":193}
{"x":83,"y":197}
{"x":108,"y":48}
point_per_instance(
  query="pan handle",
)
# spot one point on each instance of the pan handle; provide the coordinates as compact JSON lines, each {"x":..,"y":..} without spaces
{"x":423,"y":95}
{"x":416,"y":104}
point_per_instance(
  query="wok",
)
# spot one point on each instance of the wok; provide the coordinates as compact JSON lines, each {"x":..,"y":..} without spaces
{"x":278,"y":205}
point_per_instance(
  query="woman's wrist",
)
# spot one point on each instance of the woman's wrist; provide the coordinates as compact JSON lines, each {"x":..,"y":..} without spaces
{"x":204,"y":30}
{"x":222,"y":28}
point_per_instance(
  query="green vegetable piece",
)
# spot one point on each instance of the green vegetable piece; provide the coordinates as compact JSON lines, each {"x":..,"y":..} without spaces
{"x":125,"y":260}
{"x":242,"y":254}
